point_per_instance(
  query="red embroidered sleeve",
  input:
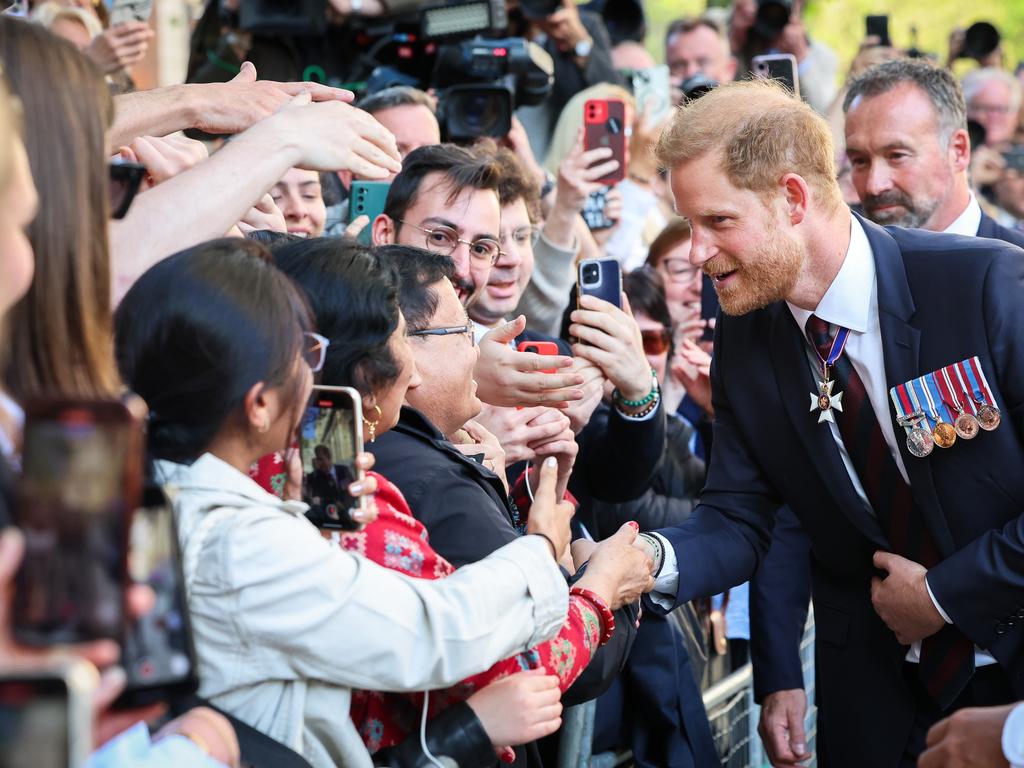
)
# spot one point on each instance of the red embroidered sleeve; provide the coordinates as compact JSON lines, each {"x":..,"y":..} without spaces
{"x":398,"y":541}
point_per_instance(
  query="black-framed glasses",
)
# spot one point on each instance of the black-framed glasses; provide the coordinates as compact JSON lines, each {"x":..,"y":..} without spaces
{"x":451,"y":330}
{"x":314,"y":350}
{"x":445,"y":239}
{"x":655,"y":340}
{"x":125,"y":180}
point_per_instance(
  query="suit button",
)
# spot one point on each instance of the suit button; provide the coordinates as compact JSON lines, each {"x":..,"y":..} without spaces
{"x":1020,"y":613}
{"x":1000,"y":628}
{"x":1010,"y":621}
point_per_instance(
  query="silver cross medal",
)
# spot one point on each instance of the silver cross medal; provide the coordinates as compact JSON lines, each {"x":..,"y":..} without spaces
{"x":824,"y":401}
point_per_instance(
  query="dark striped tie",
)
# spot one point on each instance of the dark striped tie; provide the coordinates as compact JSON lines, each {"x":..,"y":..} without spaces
{"x":947,"y":657}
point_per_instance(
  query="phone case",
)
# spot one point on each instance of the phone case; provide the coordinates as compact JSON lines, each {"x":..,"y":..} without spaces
{"x":352,"y":402}
{"x":608,"y":285}
{"x":367,"y":199}
{"x":604,"y":123}
{"x":652,"y":92}
{"x":593,"y":210}
{"x":778,"y":66}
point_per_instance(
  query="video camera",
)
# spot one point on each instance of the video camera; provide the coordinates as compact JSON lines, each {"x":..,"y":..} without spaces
{"x":480,"y":78}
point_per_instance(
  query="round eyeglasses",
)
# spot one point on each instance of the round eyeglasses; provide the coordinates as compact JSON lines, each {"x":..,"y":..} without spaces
{"x":445,"y":239}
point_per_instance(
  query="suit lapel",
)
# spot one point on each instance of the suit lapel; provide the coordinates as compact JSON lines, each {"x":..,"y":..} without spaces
{"x":901,"y":345}
{"x":793,"y":374}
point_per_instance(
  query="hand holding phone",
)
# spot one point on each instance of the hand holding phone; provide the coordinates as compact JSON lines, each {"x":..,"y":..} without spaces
{"x":878,"y":27}
{"x":367,"y":199}
{"x":604,"y":123}
{"x":601,"y":278}
{"x":540,"y":348}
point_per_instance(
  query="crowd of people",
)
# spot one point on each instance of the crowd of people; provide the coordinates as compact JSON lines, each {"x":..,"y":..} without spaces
{"x":621,"y":499}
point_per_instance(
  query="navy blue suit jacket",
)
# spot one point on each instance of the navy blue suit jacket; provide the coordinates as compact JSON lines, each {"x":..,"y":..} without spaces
{"x":781,"y":589}
{"x":941,"y":299}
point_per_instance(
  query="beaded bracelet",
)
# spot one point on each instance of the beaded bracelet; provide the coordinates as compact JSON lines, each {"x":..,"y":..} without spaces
{"x":607,"y":617}
{"x":641,"y":414}
{"x":617,"y":396}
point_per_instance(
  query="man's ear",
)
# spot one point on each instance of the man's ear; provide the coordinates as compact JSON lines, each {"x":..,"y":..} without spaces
{"x":960,"y":149}
{"x":797,"y":196}
{"x":384,"y":231}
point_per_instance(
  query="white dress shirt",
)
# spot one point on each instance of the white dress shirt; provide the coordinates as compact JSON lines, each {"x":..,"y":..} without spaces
{"x":851,"y":301}
{"x":1013,"y":737}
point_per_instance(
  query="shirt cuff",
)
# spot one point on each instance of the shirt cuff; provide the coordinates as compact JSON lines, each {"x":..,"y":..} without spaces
{"x":667,"y":584}
{"x":1013,"y":737}
{"x":942,"y":613}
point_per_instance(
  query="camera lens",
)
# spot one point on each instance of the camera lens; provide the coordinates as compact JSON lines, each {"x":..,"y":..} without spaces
{"x":590,"y":274}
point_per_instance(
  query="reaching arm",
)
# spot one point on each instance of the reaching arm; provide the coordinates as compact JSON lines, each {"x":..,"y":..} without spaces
{"x":208,"y":200}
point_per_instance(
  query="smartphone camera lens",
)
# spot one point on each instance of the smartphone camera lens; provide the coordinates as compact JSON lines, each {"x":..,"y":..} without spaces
{"x":591,"y":274}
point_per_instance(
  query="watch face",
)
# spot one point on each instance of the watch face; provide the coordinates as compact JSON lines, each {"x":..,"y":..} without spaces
{"x":583,"y":47}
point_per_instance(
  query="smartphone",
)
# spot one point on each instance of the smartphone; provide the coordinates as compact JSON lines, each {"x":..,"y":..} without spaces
{"x":601,"y":278}
{"x":81,"y":480}
{"x":653,"y":93}
{"x":708,"y":306}
{"x":540,"y":348}
{"x":878,"y":26}
{"x":594,"y":210}
{"x":46,"y":715}
{"x":367,"y":199}
{"x":330,"y":438}
{"x":122,"y":11}
{"x":1014,"y":158}
{"x":157,"y":654}
{"x":778,"y":66}
{"x":604,"y":124}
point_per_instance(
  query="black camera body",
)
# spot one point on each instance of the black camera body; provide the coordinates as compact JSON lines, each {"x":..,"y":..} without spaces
{"x":539,"y":9}
{"x":481,"y":82}
{"x":772,"y":17}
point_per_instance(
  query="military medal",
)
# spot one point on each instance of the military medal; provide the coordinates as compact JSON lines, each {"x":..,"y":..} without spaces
{"x":920,"y":441}
{"x":965,"y":424}
{"x":823,"y":401}
{"x":989,"y":416}
{"x":943,"y":432}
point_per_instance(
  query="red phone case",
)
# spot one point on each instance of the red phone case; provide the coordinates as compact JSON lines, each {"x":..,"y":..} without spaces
{"x":540,"y":348}
{"x":604,"y":125}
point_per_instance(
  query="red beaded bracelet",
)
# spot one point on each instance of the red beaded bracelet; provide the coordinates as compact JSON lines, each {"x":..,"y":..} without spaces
{"x":607,"y":617}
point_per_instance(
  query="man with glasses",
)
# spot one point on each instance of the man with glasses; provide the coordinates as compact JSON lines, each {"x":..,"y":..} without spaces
{"x":445,"y":200}
{"x":993,"y":99}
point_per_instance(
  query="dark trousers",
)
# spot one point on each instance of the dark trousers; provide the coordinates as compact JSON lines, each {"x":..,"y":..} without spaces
{"x":989,"y":687}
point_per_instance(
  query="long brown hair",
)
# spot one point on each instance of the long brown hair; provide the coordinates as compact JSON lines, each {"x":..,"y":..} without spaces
{"x":61,"y":340}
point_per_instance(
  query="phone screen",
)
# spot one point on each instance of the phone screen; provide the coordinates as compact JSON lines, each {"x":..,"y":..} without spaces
{"x":72,"y":511}
{"x":34,"y":723}
{"x":329,"y":439}
{"x":157,"y":653}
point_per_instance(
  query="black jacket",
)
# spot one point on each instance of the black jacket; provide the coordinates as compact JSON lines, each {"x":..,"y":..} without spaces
{"x":468,"y":515}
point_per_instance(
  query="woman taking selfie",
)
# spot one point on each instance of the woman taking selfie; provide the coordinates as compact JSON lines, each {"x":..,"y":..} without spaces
{"x":218,"y":343}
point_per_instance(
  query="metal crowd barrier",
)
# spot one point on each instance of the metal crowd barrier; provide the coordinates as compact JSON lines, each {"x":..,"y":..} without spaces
{"x":731,"y":711}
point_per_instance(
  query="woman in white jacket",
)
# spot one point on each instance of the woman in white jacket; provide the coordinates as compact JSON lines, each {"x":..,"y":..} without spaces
{"x":216,"y":340}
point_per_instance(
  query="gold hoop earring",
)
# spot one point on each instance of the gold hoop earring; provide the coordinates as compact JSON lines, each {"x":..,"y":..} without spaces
{"x":371,"y":426}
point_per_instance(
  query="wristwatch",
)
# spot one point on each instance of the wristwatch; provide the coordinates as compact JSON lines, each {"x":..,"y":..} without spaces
{"x":583,"y":48}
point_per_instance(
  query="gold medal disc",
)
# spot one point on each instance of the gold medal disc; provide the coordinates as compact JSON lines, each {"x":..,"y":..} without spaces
{"x":944,"y":434}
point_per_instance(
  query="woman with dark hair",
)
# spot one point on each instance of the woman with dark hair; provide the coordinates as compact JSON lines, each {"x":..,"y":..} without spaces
{"x":354,"y":296}
{"x":217,"y":341}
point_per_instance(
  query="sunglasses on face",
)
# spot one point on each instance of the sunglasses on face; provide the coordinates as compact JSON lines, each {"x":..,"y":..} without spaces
{"x":656,"y":341}
{"x":125,"y":180}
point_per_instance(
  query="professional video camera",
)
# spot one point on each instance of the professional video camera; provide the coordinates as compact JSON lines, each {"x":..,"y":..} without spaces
{"x":772,"y":17}
{"x":480,"y":77}
{"x":481,"y":82}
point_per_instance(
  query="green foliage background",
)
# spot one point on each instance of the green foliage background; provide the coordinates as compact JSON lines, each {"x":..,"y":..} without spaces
{"x":840,"y":23}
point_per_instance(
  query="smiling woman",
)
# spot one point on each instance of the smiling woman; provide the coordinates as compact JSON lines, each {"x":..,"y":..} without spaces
{"x":299,"y":196}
